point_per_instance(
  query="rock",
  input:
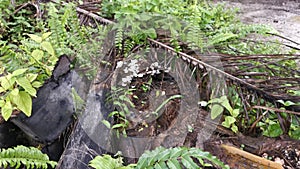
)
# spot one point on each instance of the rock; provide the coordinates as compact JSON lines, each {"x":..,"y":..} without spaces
{"x":52,"y":111}
{"x":53,"y":108}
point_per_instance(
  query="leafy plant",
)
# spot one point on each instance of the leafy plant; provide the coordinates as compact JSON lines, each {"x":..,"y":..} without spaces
{"x":173,"y":158}
{"x":107,"y":162}
{"x":27,"y":62}
{"x":271,"y":126}
{"x":206,"y":27}
{"x":18,"y":87}
{"x":30,"y":157}
{"x":119,"y":98}
{"x":177,"y":158}
{"x":217,"y":106}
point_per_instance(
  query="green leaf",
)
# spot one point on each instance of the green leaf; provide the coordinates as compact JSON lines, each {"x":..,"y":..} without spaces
{"x":216,"y":110}
{"x":142,"y":163}
{"x":24,"y":102}
{"x":235,"y":112}
{"x":14,"y":92}
{"x":221,"y":37}
{"x":31,"y":76}
{"x":101,"y":162}
{"x":7,"y":81}
{"x":19,"y":72}
{"x":106,"y":123}
{"x":228,"y":121}
{"x":35,"y":38}
{"x":151,"y":33}
{"x":25,"y":83}
{"x":160,"y":165}
{"x":6,"y":110}
{"x":119,"y":125}
{"x":274,"y":130}
{"x":2,"y":103}
{"x":48,"y":47}
{"x":1,"y":89}
{"x":30,"y":157}
{"x":37,"y":84}
{"x":46,"y":35}
{"x":286,"y":103}
{"x":37,"y":54}
{"x":225,"y":103}
{"x":234,"y":128}
{"x":176,"y":152}
{"x":173,"y":164}
{"x":188,"y":162}
{"x":163,"y":156}
{"x":214,"y":100}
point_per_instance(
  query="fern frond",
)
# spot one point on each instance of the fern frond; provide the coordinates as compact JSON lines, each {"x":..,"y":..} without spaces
{"x":119,"y":38}
{"x":28,"y":156}
{"x":176,"y":158}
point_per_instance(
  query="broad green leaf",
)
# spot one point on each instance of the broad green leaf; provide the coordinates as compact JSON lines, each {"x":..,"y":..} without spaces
{"x":225,"y":103}
{"x":37,"y":84}
{"x":48,"y":47}
{"x":214,"y":100}
{"x":289,"y":103}
{"x":36,"y":38}
{"x":24,"y":102}
{"x":14,"y":92}
{"x":274,"y":130}
{"x":234,"y":128}
{"x":46,"y":35}
{"x":53,"y":59}
{"x":216,"y":110}
{"x":19,"y":72}
{"x":101,"y":162}
{"x":235,"y":112}
{"x":2,"y":103}
{"x":228,"y":121}
{"x":37,"y":54}
{"x":223,"y":98}
{"x":49,"y":69}
{"x":31,"y":76}
{"x":7,"y":81}
{"x":25,"y":83}
{"x":1,"y":89}
{"x":295,"y":134}
{"x":6,"y":110}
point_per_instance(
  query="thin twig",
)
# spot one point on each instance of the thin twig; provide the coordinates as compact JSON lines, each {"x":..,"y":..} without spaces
{"x":281,"y":36}
{"x":276,"y":110}
{"x":103,"y":20}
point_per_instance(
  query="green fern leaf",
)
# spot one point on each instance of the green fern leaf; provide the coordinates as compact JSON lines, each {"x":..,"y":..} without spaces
{"x":177,"y":158}
{"x":30,"y":157}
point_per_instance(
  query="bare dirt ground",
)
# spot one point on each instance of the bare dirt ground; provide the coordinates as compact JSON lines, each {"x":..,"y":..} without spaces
{"x":283,"y":15}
